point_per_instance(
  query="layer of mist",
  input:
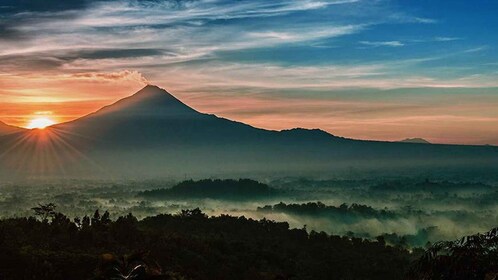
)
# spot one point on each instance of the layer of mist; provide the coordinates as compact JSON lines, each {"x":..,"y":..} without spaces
{"x":406,"y":211}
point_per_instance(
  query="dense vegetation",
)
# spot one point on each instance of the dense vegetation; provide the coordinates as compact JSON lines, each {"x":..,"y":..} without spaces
{"x":352,"y":212}
{"x":189,"y":245}
{"x":241,"y":189}
{"x":471,"y":257}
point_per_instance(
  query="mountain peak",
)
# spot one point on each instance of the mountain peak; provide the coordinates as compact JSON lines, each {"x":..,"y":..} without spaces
{"x":152,"y":90}
{"x":150,"y":100}
{"x":415,"y":140}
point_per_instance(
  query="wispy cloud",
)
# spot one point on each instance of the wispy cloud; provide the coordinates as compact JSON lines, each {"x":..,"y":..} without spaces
{"x":403,"y":17}
{"x":446,"y":39}
{"x":424,"y":20}
{"x":383,"y":43}
{"x":189,"y":31}
{"x":476,"y":49}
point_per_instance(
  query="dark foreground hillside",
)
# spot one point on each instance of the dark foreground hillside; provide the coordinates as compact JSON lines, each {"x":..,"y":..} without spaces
{"x":188,"y":245}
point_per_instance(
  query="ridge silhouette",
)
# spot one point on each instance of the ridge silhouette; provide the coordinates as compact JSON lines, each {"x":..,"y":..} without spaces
{"x":152,"y":133}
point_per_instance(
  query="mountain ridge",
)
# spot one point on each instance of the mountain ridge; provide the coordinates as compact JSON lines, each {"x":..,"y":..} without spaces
{"x":152,"y":133}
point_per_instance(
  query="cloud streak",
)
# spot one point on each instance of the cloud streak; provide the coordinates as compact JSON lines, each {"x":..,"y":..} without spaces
{"x":383,"y":44}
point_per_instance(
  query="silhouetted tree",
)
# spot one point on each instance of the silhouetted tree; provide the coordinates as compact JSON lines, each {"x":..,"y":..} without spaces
{"x":45,"y":211}
{"x":194,"y":213}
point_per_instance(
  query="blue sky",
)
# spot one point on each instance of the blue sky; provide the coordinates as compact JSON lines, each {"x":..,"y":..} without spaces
{"x":376,"y":69}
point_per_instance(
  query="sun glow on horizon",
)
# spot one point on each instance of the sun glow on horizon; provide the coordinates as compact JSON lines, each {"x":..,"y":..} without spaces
{"x":40,"y":123}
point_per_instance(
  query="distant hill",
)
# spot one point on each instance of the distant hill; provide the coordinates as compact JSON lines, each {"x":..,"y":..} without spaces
{"x":242,"y":189}
{"x":153,"y":134}
{"x":415,"y":140}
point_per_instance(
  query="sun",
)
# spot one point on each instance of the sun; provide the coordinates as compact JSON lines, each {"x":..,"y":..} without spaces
{"x":40,"y":123}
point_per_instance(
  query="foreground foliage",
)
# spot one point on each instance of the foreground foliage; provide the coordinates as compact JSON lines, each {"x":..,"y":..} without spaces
{"x":472,"y":257}
{"x":190,"y":245}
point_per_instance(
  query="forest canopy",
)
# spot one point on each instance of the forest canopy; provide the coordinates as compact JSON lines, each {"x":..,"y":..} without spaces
{"x":229,"y":189}
{"x":191,"y":245}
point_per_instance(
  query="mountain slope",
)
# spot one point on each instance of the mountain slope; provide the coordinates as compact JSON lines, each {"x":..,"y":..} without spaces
{"x":153,"y":117}
{"x":6,"y":129}
{"x":148,"y":118}
{"x":151,"y":133}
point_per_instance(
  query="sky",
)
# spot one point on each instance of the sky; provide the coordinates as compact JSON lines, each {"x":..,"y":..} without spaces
{"x":365,"y":69}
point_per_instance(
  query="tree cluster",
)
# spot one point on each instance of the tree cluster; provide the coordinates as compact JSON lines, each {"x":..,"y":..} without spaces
{"x":319,"y":209}
{"x":189,"y":245}
{"x":241,"y":189}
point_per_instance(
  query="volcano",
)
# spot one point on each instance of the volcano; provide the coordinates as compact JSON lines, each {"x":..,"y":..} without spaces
{"x":153,"y":134}
{"x":153,"y":117}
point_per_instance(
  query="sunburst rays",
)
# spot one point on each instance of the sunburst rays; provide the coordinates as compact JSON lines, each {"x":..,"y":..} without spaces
{"x":46,"y":153}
